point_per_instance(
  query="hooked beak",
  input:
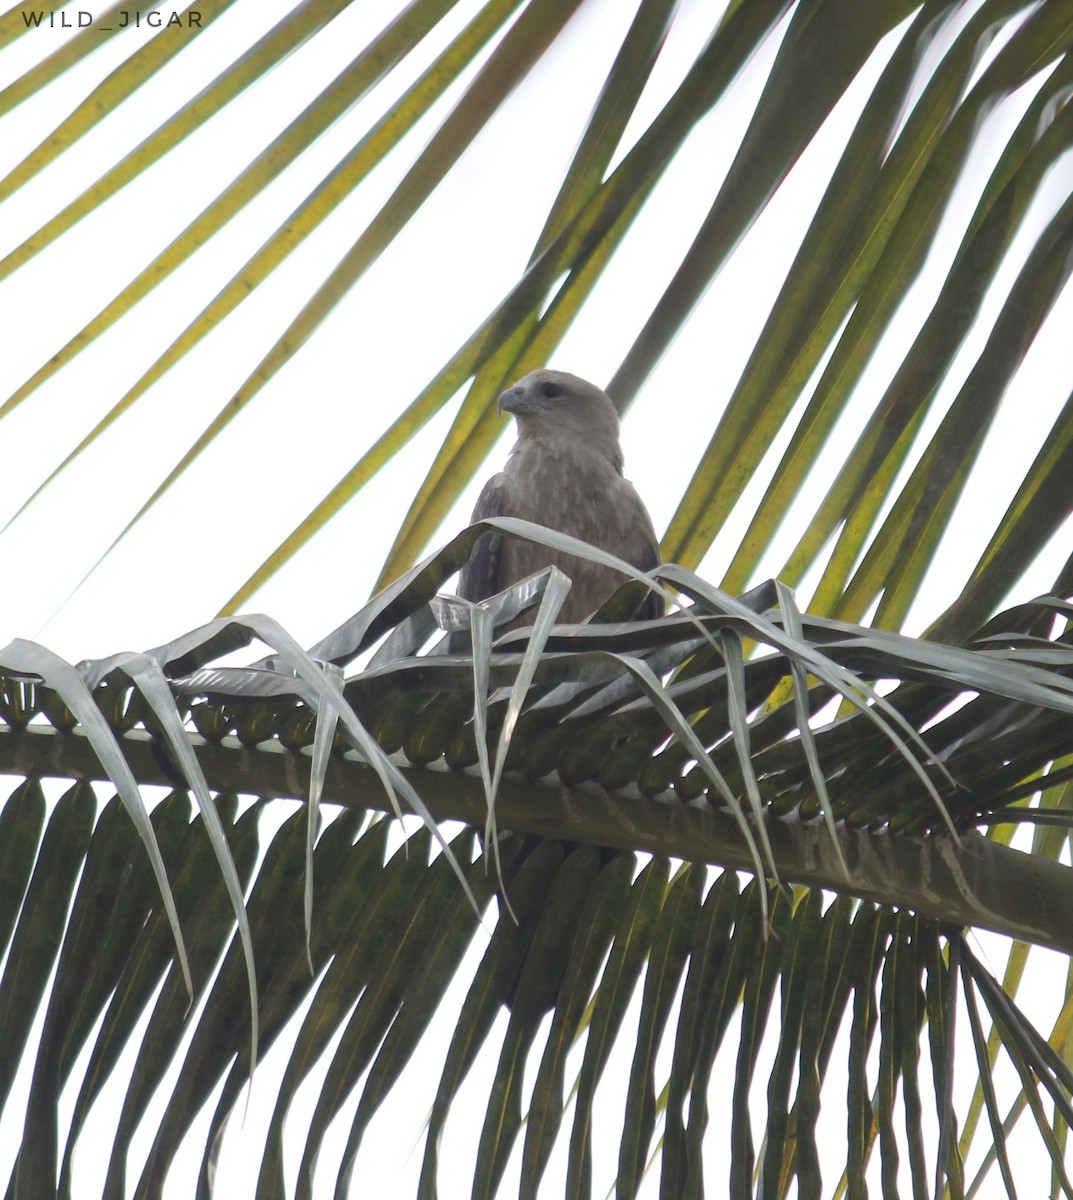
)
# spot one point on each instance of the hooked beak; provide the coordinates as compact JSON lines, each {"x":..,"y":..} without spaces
{"x":512,"y":401}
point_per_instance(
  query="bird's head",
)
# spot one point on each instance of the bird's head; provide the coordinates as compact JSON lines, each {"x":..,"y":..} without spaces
{"x":547,"y":403}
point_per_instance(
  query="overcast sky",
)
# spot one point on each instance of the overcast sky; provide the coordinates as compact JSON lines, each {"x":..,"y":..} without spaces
{"x":385,"y":341}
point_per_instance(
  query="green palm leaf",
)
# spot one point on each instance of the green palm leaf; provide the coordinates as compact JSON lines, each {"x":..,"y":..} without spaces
{"x":391,"y":931}
{"x":612,"y":779}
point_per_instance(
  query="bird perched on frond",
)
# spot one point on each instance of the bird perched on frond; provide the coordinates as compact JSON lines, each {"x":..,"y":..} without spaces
{"x":564,"y":472}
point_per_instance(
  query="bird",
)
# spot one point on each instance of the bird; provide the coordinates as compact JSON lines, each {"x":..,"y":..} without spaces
{"x":564,"y":472}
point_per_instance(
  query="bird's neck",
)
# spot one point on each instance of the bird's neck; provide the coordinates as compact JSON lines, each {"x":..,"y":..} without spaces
{"x":584,"y":452}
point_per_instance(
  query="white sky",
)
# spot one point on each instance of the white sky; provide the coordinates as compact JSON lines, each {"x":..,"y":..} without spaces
{"x":389,"y":336}
{"x":305,"y":429}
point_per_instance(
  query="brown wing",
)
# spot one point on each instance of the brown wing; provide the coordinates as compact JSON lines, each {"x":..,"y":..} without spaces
{"x":481,"y":576}
{"x":640,"y":547}
{"x":626,"y":529}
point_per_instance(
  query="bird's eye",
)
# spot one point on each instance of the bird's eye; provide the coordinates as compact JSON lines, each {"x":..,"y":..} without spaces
{"x":552,"y":390}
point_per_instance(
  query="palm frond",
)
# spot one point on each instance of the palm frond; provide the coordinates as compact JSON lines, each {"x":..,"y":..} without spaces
{"x":596,"y":772}
{"x":665,"y":807}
